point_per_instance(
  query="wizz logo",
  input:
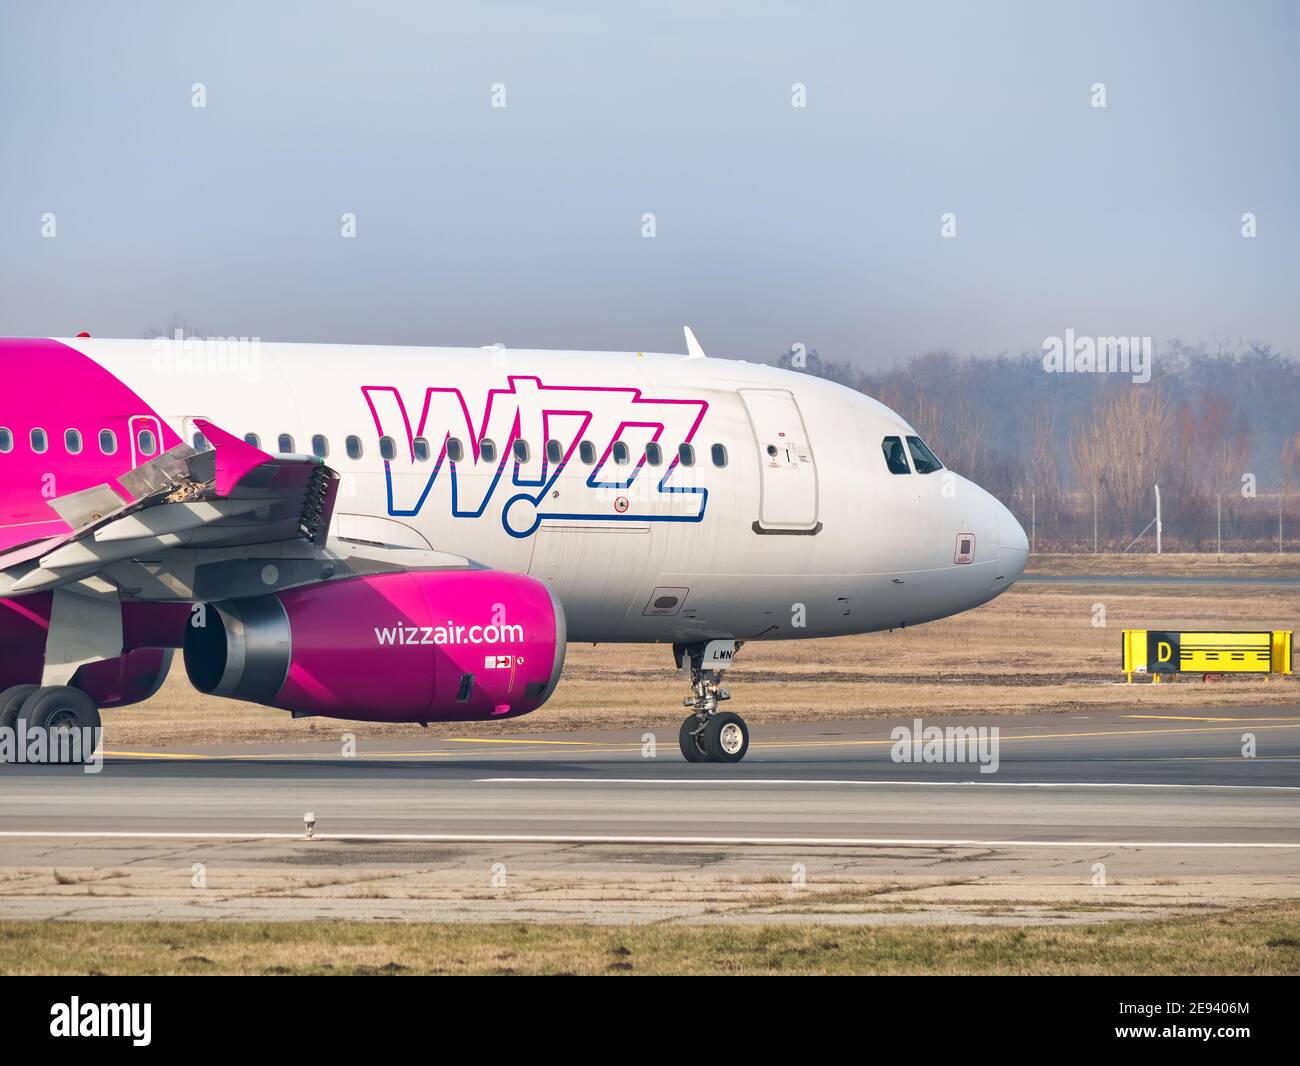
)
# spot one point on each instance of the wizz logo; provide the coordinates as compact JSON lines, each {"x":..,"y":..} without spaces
{"x":559,"y":423}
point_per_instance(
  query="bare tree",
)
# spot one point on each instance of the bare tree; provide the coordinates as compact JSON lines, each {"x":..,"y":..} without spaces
{"x":1121,"y":448}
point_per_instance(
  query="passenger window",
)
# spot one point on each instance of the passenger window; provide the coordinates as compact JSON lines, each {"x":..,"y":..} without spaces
{"x":521,"y":451}
{"x":686,"y":454}
{"x":894,"y":457}
{"x":320,"y":447}
{"x":285,"y":443}
{"x":388,"y":448}
{"x":621,"y":453}
{"x":353,"y":445}
{"x":6,"y":441}
{"x":145,"y":442}
{"x":421,"y":448}
{"x":107,"y":441}
{"x":253,"y":439}
{"x":200,"y":442}
{"x":554,"y":451}
{"x":587,"y":452}
{"x":719,"y":455}
{"x":654,"y":455}
{"x":922,"y":458}
{"x":72,"y":441}
{"x":39,"y":441}
{"x":455,"y":450}
{"x":487,"y":450}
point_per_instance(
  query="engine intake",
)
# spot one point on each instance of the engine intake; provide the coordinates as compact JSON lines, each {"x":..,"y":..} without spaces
{"x":411,"y":647}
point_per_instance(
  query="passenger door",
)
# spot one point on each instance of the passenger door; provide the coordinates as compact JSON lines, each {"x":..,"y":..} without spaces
{"x":787,"y":472}
{"x":146,"y":438}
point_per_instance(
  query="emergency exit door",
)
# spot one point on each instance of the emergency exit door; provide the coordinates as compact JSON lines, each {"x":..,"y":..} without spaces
{"x":787,"y":473}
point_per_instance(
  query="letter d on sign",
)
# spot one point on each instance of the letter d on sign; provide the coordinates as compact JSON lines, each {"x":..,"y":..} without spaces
{"x":1164,"y":651}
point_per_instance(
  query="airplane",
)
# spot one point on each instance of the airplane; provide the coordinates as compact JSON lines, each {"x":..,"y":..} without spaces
{"x":412,"y":534}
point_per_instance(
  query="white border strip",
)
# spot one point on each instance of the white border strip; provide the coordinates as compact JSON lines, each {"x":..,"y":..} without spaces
{"x":526,"y":838}
{"x":848,"y":781}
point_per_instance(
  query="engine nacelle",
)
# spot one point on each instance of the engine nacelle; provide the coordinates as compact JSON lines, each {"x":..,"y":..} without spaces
{"x":422,"y":646}
{"x":130,"y":678}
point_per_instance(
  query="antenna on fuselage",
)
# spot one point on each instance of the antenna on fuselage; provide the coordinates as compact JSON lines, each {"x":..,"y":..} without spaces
{"x":693,"y":349}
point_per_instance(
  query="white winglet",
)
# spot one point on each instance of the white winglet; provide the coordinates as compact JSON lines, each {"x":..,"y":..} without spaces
{"x":693,"y":349}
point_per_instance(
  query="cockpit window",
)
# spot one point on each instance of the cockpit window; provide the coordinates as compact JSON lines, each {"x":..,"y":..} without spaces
{"x":895,"y":459}
{"x":922,"y":458}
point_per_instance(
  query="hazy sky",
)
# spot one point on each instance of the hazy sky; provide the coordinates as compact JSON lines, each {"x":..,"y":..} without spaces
{"x":774,"y":224}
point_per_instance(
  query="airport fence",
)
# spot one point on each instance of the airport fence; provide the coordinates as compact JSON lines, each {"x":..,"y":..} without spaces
{"x":1080,"y":523}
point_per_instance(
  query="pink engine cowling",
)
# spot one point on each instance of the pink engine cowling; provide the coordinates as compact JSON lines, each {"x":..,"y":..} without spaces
{"x":410,"y":647}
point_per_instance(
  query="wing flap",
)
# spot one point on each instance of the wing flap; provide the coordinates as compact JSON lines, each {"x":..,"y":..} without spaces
{"x":230,"y":496}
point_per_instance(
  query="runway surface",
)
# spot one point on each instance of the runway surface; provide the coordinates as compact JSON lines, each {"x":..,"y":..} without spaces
{"x":1123,"y":780}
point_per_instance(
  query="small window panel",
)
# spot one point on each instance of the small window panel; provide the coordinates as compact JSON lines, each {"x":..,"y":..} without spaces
{"x":487,"y":450}
{"x":107,"y":442}
{"x":686,"y":454}
{"x":620,"y":453}
{"x":72,"y":441}
{"x":39,"y":441}
{"x":554,"y":451}
{"x":285,"y":443}
{"x":145,"y":442}
{"x":587,"y":452}
{"x":253,"y":439}
{"x":895,"y":457}
{"x":199,"y":441}
{"x":320,"y":447}
{"x":922,"y":458}
{"x":388,"y":448}
{"x":421,"y":448}
{"x":719,"y":452}
{"x":654,"y":455}
{"x":353,"y":446}
{"x":521,"y":452}
{"x":455,"y":450}
{"x":6,"y":440}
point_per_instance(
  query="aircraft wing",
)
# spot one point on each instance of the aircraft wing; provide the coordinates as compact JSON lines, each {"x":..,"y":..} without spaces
{"x":225,"y":501}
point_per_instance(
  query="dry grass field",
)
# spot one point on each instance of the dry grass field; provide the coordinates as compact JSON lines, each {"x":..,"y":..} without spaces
{"x":1035,"y":649}
{"x":1253,"y":941}
{"x":1180,"y":564}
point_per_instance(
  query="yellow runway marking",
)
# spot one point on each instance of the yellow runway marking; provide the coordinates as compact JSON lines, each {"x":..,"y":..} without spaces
{"x":156,"y":755}
{"x":507,"y":740}
{"x":1207,"y":718}
{"x":1036,"y":736}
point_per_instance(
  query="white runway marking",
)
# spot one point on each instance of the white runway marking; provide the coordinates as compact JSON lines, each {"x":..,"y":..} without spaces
{"x":734,"y":781}
{"x":531,"y":838}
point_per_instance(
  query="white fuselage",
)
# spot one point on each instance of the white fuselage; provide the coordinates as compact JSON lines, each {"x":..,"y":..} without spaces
{"x":803,"y":532}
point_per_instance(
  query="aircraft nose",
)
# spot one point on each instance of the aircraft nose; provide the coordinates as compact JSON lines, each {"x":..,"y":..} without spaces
{"x":1013,"y":549}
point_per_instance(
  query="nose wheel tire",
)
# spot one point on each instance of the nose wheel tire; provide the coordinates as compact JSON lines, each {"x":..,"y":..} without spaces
{"x":726,"y":737}
{"x":689,"y":738}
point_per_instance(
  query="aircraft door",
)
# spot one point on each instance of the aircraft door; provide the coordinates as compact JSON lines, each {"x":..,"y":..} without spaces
{"x":787,"y":472}
{"x":146,"y":438}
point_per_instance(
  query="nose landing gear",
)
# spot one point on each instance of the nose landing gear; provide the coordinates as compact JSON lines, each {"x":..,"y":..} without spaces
{"x":708,"y":735}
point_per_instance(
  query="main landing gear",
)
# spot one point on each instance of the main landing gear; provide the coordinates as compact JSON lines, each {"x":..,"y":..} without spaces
{"x":710,"y":735}
{"x":67,"y":716}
